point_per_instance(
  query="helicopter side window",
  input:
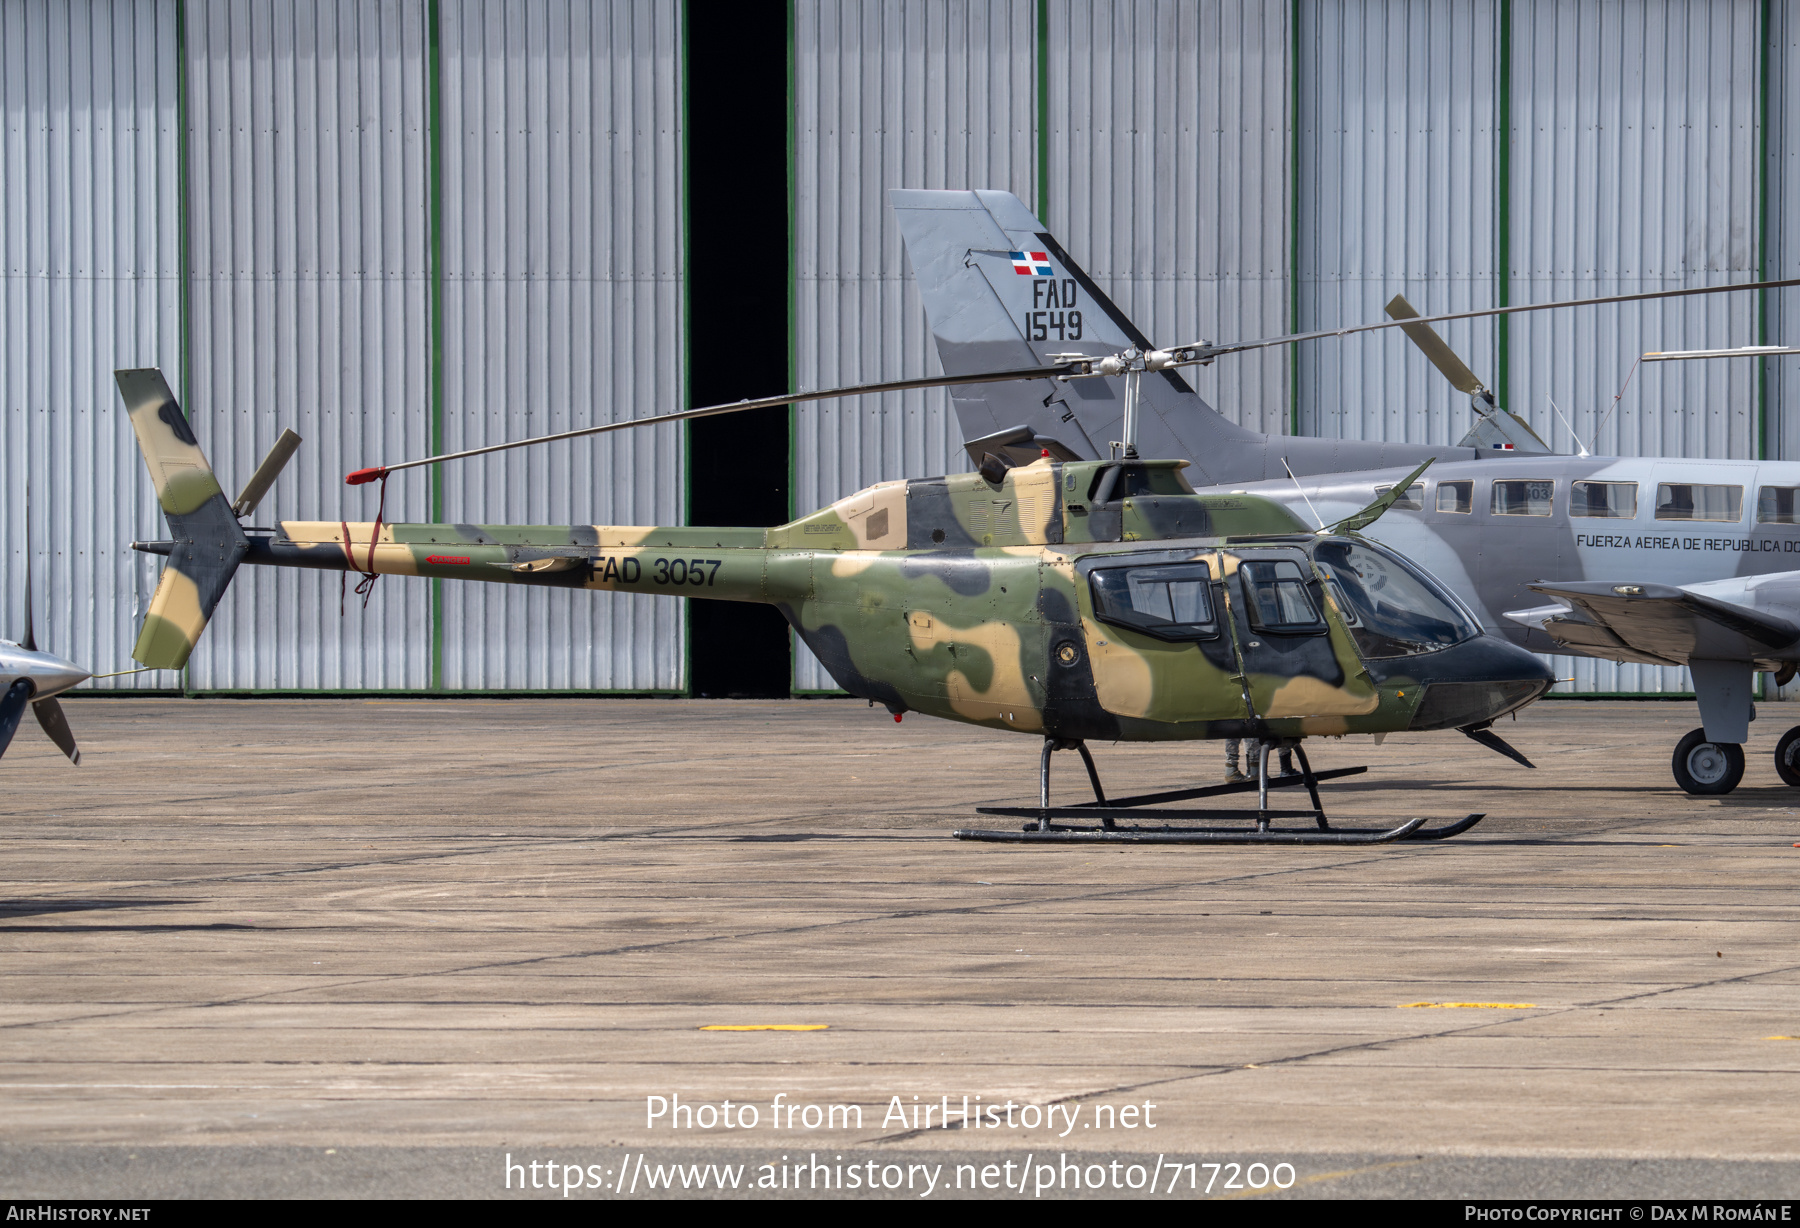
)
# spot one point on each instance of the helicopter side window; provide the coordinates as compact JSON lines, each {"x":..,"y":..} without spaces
{"x":1682,"y":501}
{"x":1516,"y":498}
{"x":1457,"y":497}
{"x":1412,"y":501}
{"x":1391,"y":608}
{"x":1611,"y":500}
{"x":1171,"y":602}
{"x":1278,"y":596}
{"x":1776,"y":505}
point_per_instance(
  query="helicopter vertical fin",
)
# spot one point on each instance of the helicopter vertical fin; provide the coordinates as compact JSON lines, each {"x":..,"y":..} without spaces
{"x":1001,"y":292}
{"x":208,"y":540}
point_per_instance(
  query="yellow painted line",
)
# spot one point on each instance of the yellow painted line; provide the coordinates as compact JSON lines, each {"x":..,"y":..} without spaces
{"x":765,"y":1027}
{"x":1346,"y":1172}
{"x":1473,"y":1006}
{"x":1781,"y":1038}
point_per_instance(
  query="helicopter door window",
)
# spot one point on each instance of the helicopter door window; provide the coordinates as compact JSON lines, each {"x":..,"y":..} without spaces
{"x":1278,"y":597}
{"x":1171,"y":602}
{"x":1609,"y":500}
{"x":1523,"y":498}
{"x":1681,"y":501}
{"x":1412,"y":501}
{"x":1776,"y":505}
{"x":1457,"y":497}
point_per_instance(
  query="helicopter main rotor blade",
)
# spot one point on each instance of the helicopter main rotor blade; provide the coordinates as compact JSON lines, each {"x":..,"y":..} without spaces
{"x":1437,"y":351}
{"x":361,"y":476}
{"x":1198,"y":353}
{"x":50,"y":716}
{"x":1205,"y":352}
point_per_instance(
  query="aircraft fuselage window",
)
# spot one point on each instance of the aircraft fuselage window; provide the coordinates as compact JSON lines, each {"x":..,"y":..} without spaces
{"x":1612,"y":500}
{"x":1458,"y":497}
{"x":1681,"y":501}
{"x":1412,"y":501}
{"x":1523,"y":498}
{"x":1775,"y":505}
{"x":1172,"y":601}
{"x":1278,"y":599}
{"x":1391,"y":608}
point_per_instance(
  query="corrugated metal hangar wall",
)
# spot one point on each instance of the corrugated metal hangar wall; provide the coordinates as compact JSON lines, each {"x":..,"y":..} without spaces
{"x":417,"y":224}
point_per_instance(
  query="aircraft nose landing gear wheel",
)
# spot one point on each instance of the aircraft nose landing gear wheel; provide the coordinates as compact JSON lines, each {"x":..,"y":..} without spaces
{"x":1704,"y":768}
{"x":1787,"y":756}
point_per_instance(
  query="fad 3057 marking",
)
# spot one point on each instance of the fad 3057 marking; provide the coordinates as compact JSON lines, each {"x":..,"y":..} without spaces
{"x":700,"y":573}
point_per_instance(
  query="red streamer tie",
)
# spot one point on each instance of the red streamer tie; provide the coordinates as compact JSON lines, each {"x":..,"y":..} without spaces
{"x":365,"y":586}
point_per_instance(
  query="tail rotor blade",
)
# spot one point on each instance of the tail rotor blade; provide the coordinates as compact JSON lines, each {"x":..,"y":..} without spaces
{"x":12,"y":707}
{"x":265,"y":474}
{"x":1494,"y":742}
{"x":1434,"y":347}
{"x":50,"y":716}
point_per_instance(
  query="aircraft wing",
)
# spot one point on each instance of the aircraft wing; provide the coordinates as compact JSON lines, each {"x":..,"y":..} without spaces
{"x":1659,"y":624}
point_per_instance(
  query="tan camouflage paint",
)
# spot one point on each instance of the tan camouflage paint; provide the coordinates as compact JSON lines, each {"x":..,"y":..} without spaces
{"x":948,"y":596}
{"x":196,"y":511}
{"x":974,"y":656}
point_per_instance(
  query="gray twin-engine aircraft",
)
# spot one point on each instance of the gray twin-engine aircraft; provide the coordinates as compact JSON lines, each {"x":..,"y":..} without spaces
{"x":1661,"y":561}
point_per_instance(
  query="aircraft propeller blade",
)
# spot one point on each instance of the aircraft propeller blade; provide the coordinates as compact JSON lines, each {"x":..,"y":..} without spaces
{"x":50,"y":716}
{"x":1199,"y":353}
{"x":1436,"y":350}
{"x":12,"y":707}
{"x":1494,"y":742}
{"x":265,"y":474}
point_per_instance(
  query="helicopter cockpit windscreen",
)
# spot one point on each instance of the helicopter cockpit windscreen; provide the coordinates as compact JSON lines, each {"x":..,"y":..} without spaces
{"x":1392,"y":608}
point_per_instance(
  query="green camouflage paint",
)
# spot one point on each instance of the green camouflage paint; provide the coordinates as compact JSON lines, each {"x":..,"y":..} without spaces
{"x":963,"y":597}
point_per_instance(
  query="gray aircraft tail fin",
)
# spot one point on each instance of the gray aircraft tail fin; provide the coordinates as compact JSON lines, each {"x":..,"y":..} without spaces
{"x":1001,"y":292}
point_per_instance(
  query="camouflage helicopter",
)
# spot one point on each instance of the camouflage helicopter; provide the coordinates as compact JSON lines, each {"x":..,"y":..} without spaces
{"x":1067,"y":599}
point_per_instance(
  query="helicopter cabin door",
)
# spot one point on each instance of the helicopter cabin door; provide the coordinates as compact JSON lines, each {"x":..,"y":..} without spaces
{"x":1293,"y":665}
{"x":1159,"y":637}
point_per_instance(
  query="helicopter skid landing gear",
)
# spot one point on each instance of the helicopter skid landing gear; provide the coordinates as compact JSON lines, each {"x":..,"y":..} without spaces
{"x":1168,"y":826}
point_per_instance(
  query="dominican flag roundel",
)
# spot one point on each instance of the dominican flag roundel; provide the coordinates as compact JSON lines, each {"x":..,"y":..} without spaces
{"x":1032,"y":264}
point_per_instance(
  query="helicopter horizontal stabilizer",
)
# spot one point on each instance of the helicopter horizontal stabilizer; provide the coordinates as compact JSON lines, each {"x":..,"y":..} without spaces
{"x":208,"y":542}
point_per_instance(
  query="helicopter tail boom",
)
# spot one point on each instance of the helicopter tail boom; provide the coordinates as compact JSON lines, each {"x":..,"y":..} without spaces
{"x":726,"y":564}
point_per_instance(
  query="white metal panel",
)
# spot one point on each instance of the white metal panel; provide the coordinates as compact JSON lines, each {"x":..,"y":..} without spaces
{"x":905,"y":95}
{"x":1396,"y":154}
{"x":310,"y":310}
{"x":1635,"y":167}
{"x":1781,"y":247}
{"x":562,"y":308}
{"x":89,"y":282}
{"x":1168,"y":176}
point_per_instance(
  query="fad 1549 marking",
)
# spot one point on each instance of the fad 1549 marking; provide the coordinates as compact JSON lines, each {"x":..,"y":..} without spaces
{"x":1053,"y":303}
